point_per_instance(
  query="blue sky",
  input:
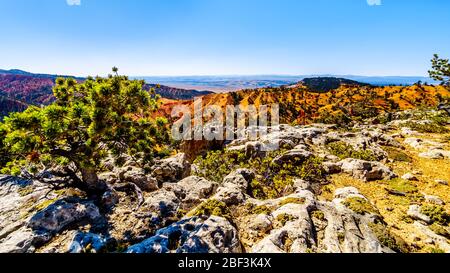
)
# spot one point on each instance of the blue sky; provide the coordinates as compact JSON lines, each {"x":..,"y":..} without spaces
{"x":224,"y":37}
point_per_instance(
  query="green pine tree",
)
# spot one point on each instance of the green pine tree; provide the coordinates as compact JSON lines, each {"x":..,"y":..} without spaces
{"x":88,"y":122}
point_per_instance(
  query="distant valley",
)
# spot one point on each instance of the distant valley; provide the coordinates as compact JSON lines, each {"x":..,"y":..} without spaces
{"x":234,"y":83}
{"x":19,"y":89}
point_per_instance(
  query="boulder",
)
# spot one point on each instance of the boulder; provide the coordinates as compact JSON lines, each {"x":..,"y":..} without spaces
{"x":261,"y":223}
{"x":436,"y":200}
{"x":171,"y":169}
{"x":432,"y":154}
{"x":162,"y":203}
{"x":19,"y":241}
{"x":234,"y":187}
{"x":192,"y":235}
{"x":230,"y":196}
{"x":317,"y":226}
{"x":348,"y":192}
{"x":62,"y":214}
{"x":442,"y":182}
{"x":239,"y":178}
{"x":433,"y":239}
{"x":83,"y":242}
{"x":331,"y":167}
{"x":366,"y":170}
{"x":410,"y":177}
{"x":192,"y":190}
{"x":293,"y":156}
{"x":18,"y":198}
{"x":415,"y":213}
{"x":415,"y":143}
{"x":139,"y":177}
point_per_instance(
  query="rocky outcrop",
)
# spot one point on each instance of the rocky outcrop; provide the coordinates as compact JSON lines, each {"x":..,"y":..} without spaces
{"x":193,"y":235}
{"x":435,"y":154}
{"x":17,"y":198}
{"x":415,"y":213}
{"x":307,"y":218}
{"x":298,"y":154}
{"x":234,"y":187}
{"x":138,"y":176}
{"x":160,"y":208}
{"x":85,"y":242}
{"x":167,"y":170}
{"x":172,"y":169}
{"x":317,"y":226}
{"x":367,"y":171}
{"x":192,"y":190}
{"x":60,"y":215}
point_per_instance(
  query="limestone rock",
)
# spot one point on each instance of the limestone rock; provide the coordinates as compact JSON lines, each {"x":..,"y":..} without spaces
{"x":19,"y":241}
{"x":332,"y":168}
{"x":83,"y":242}
{"x":415,"y":213}
{"x":334,"y":229}
{"x":192,"y":235}
{"x":348,"y":192}
{"x":192,"y":190}
{"x":432,"y":154}
{"x":62,"y":214}
{"x":234,"y":187}
{"x":292,"y":156}
{"x":139,"y":177}
{"x":409,"y":177}
{"x":367,"y":171}
{"x":434,"y":200}
{"x":442,"y":182}
{"x":171,"y":169}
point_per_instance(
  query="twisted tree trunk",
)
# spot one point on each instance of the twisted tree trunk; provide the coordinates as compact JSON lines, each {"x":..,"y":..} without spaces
{"x":90,"y":177}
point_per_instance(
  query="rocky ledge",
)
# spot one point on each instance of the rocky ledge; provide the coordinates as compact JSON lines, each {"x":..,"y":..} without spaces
{"x":177,"y":208}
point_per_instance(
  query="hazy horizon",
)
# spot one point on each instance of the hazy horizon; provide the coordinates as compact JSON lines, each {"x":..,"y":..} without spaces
{"x":216,"y":75}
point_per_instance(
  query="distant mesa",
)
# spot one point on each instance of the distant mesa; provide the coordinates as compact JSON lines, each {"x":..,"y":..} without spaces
{"x":326,"y":84}
{"x":176,"y":93}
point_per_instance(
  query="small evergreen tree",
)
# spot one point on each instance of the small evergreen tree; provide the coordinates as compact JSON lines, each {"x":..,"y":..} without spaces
{"x":87,"y":123}
{"x":440,"y":70}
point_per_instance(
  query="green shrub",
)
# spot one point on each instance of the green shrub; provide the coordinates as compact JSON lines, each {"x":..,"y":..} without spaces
{"x":256,"y":210}
{"x":292,"y":200}
{"x":360,"y":205}
{"x":318,"y":215}
{"x":437,"y":214}
{"x":344,"y":150}
{"x":218,"y":164}
{"x":440,"y":230}
{"x":212,"y":207}
{"x":272,"y":180}
{"x":397,"y":154}
{"x":403,"y":186}
{"x":387,"y":239}
{"x":284,"y":218}
{"x":432,"y":128}
{"x":436,"y":250}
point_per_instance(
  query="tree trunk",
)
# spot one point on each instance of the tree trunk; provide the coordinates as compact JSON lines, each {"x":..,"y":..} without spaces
{"x":90,"y":178}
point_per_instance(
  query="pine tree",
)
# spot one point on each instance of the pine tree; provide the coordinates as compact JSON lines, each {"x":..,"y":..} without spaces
{"x":88,"y":122}
{"x":440,"y":70}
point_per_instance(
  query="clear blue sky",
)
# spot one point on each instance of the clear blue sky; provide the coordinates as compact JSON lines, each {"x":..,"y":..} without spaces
{"x":223,"y":37}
